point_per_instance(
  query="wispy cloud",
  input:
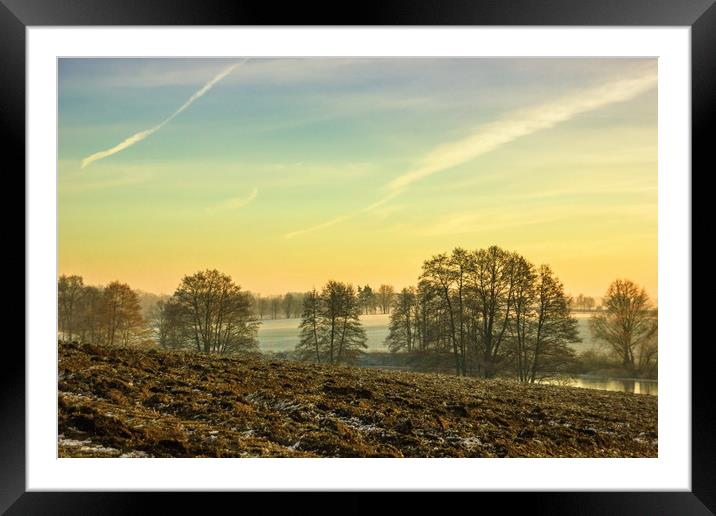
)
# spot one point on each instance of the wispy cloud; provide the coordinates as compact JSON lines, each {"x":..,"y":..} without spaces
{"x":506,"y":129}
{"x":138,"y":137}
{"x":522,"y":123}
{"x":519,"y":215}
{"x":234,"y":203}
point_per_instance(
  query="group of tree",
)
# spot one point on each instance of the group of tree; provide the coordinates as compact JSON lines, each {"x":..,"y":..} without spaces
{"x":286,"y":306}
{"x":330,"y":328}
{"x":582,"y":302}
{"x":110,"y":315}
{"x":491,"y":310}
{"x":375,"y":301}
{"x":494,"y":312}
{"x":207,"y":313}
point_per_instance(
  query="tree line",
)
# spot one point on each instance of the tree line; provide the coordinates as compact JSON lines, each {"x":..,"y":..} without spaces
{"x":582,"y":302}
{"x":489,"y":311}
{"x":291,"y":304}
{"x":287,"y":306}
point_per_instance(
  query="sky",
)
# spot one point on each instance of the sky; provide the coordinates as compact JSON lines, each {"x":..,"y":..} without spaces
{"x":285,"y":173}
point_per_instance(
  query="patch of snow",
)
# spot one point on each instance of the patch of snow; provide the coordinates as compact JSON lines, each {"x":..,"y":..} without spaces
{"x":357,"y":424}
{"x":470,"y":442}
{"x":99,"y":449}
{"x":134,"y":455}
{"x":73,"y":443}
{"x":553,"y":422}
{"x":86,"y":446}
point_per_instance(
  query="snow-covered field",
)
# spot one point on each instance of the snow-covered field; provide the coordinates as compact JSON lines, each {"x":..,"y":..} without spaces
{"x":282,"y":334}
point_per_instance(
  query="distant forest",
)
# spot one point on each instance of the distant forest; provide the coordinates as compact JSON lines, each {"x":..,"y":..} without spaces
{"x":489,"y":312}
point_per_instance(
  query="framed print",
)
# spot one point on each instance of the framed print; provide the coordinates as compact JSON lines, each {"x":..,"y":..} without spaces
{"x":423,"y":252}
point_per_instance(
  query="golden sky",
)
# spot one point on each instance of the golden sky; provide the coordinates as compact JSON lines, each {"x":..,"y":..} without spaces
{"x":285,"y":173}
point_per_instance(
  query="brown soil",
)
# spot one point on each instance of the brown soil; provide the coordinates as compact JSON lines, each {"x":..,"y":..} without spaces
{"x":129,"y":403}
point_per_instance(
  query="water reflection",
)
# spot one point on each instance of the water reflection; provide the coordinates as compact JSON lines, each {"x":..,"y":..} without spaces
{"x":616,"y":384}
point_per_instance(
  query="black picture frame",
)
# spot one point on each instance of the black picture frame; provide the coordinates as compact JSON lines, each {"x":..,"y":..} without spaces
{"x":16,"y":15}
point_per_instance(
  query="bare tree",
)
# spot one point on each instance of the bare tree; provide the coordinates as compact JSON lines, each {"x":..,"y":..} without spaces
{"x":367,"y":299}
{"x":337,"y":330}
{"x":403,"y":331}
{"x":69,"y":297}
{"x":298,"y":303}
{"x":553,"y":328}
{"x":275,"y":305}
{"x":262,"y":305}
{"x":288,"y":305}
{"x":90,"y":317}
{"x":627,"y":321}
{"x":439,"y":275}
{"x":494,"y":282}
{"x":648,"y":352}
{"x":171,"y":325}
{"x":523,"y":319}
{"x":385,"y":297}
{"x":310,"y":344}
{"x":216,"y":313}
{"x":121,"y":315}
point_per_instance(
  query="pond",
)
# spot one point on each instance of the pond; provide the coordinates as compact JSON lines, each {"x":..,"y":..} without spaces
{"x":635,"y":385}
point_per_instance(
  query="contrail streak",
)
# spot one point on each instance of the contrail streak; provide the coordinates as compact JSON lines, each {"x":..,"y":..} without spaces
{"x":503,"y":131}
{"x":380,"y":202}
{"x":523,"y":123}
{"x":138,"y":137}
